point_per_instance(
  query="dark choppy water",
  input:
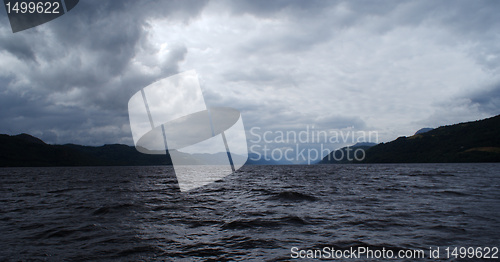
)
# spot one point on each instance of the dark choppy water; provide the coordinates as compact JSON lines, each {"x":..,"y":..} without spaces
{"x":259,"y":213}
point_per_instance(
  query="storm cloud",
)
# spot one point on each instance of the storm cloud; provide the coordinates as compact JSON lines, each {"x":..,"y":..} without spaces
{"x":389,"y":66}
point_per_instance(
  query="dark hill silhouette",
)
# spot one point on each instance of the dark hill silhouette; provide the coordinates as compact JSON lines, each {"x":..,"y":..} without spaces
{"x":347,"y":154}
{"x":26,"y":150}
{"x":423,"y":130}
{"x":476,"y":141}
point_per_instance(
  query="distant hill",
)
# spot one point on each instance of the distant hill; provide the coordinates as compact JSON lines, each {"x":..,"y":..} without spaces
{"x":365,"y":144}
{"x":347,"y":154}
{"x":26,"y":150}
{"x":423,"y":130}
{"x":30,"y":139}
{"x":476,"y":141}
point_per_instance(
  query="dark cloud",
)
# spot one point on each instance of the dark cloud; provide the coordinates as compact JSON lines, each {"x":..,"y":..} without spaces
{"x":60,"y":123}
{"x":17,"y":45}
{"x":284,"y":64}
{"x":76,"y":73}
{"x":488,"y":100}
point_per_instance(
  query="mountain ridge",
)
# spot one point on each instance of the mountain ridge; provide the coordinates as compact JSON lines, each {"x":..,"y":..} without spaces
{"x":474,"y":141}
{"x":24,"y":150}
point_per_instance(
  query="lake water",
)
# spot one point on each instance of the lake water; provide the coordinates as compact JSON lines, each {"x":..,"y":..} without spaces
{"x":259,"y":213}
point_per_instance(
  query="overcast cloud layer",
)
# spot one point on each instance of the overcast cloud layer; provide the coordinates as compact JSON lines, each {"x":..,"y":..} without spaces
{"x":386,"y":66}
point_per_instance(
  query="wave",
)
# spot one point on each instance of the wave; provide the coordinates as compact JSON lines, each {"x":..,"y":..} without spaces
{"x":259,"y":222}
{"x":111,"y":209}
{"x":292,"y":196}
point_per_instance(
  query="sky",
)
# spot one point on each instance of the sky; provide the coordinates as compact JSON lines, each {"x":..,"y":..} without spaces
{"x":390,"y":67}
